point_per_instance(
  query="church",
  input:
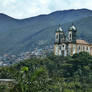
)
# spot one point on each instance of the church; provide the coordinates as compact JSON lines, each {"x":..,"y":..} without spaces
{"x":67,"y":46}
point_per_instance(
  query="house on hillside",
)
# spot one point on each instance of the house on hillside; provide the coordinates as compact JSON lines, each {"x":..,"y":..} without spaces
{"x":69,"y":45}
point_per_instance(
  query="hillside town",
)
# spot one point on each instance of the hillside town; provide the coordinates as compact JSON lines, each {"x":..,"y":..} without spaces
{"x":62,"y":46}
{"x":7,"y":59}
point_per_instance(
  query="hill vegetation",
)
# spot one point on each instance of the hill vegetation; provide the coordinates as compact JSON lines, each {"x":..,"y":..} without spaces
{"x":17,"y":36}
{"x":51,"y":74}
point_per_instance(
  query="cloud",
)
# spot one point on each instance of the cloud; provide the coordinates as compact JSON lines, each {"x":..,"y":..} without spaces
{"x":8,"y":2}
{"x":29,"y":8}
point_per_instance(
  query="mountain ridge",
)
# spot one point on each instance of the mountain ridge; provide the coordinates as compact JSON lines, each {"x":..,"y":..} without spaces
{"x":17,"y":36}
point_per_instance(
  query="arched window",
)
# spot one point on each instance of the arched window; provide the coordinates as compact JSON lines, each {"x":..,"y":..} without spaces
{"x":63,"y":46}
{"x":87,"y":48}
{"x":56,"y":36}
{"x":60,"y":47}
{"x":70,"y":35}
{"x":79,"y":47}
{"x":83,"y":48}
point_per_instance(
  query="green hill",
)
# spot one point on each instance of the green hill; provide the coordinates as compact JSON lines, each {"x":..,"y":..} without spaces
{"x":17,"y":36}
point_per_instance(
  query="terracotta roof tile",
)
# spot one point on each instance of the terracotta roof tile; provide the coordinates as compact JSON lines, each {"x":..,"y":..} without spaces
{"x":81,"y":42}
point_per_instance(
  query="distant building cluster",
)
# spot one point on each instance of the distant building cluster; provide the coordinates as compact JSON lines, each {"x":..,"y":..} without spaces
{"x":69,"y":45}
{"x":37,"y":52}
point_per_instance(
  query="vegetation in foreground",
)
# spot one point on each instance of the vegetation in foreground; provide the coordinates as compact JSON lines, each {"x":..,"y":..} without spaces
{"x":51,"y":74}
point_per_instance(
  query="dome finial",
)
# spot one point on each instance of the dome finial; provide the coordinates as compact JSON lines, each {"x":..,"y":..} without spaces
{"x":59,"y":25}
{"x":60,"y":29}
{"x":72,"y":24}
{"x":72,"y":27}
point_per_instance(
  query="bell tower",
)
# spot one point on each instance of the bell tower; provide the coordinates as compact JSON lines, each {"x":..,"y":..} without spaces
{"x":59,"y":36}
{"x":72,"y":34}
{"x":60,"y":40}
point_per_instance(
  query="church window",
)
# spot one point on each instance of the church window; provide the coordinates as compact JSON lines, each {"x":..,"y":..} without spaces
{"x":56,"y":36}
{"x":63,"y":53}
{"x":60,"y":47}
{"x":83,"y":48}
{"x":87,"y":48}
{"x":70,"y":35}
{"x":79,"y":47}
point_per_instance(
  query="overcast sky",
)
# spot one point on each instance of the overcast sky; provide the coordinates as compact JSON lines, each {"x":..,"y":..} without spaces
{"x":28,"y":8}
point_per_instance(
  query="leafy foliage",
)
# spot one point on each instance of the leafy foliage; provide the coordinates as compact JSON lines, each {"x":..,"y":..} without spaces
{"x":52,"y":74}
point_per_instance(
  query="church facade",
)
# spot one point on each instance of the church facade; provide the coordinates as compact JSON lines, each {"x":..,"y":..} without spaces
{"x":67,"y":46}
